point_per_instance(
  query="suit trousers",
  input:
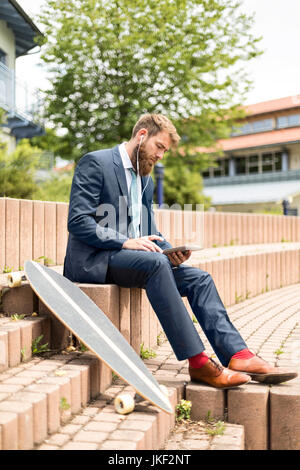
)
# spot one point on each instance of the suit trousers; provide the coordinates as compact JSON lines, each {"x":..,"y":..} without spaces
{"x":165,"y":286}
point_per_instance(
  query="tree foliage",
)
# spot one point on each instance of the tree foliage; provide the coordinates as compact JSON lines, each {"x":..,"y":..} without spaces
{"x":18,"y":170}
{"x":182,"y":184}
{"x":56,"y":188}
{"x":110,"y":61}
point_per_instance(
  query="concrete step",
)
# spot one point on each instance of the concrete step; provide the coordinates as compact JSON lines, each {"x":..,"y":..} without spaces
{"x":17,"y":337}
{"x":99,"y":427}
{"x":38,"y":229}
{"x":246,"y":405}
{"x":239,"y":272}
{"x":264,"y":412}
{"x":57,"y":403}
{"x":128,"y":309}
{"x":269,"y":415}
{"x":38,"y":396}
{"x":201,"y":435}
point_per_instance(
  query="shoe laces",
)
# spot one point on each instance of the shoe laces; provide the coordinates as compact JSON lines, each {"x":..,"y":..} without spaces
{"x":216,"y":365}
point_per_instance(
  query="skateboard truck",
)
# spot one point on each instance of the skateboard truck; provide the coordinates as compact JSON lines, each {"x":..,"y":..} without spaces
{"x":124,"y":403}
{"x":15,"y":279}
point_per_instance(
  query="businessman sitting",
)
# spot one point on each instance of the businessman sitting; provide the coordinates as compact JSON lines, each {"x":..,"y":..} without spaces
{"x":113,"y":239}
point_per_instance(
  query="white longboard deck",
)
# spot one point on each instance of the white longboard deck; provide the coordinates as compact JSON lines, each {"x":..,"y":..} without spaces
{"x":85,"y":320}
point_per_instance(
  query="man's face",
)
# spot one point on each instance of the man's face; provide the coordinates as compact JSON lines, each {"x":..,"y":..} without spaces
{"x":152,"y":149}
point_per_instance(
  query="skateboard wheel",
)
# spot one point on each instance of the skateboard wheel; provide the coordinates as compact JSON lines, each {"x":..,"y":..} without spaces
{"x":124,"y":403}
{"x":14,"y":279}
{"x":164,"y":390}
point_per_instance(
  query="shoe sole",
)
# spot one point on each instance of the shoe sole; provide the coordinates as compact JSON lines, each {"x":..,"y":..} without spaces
{"x":220,"y":388}
{"x":272,"y":378}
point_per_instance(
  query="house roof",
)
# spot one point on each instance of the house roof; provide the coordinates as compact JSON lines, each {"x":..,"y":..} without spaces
{"x":263,"y":139}
{"x":253,"y":193}
{"x":23,"y":27}
{"x":266,"y":138}
{"x":279,"y":104}
{"x":278,"y":136}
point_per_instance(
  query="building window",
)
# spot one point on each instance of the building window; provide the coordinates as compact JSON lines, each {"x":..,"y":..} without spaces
{"x":240,"y":165}
{"x":221,"y":170}
{"x":267,"y":162}
{"x":3,"y":57}
{"x":247,"y":165}
{"x":260,"y":163}
{"x":262,"y":125}
{"x":288,"y":121}
{"x":252,"y":164}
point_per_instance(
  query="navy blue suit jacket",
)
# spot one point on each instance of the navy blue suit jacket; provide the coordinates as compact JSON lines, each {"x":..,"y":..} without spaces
{"x":98,"y":217}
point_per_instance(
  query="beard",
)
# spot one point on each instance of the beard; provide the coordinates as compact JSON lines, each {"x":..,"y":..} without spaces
{"x":146,"y":163}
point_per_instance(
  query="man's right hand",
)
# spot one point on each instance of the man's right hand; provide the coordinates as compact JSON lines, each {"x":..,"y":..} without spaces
{"x":143,"y":243}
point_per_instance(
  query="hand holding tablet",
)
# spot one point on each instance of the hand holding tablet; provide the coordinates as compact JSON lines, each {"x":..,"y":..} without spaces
{"x":182,"y":249}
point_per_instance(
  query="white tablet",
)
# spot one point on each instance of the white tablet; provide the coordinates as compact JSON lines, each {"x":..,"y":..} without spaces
{"x":182,"y":248}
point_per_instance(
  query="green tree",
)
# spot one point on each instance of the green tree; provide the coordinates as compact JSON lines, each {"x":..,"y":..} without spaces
{"x":18,"y":170}
{"x":50,"y":141}
{"x":110,"y":61}
{"x":56,"y":188}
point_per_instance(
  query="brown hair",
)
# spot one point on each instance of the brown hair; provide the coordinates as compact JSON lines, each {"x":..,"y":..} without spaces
{"x":156,"y":123}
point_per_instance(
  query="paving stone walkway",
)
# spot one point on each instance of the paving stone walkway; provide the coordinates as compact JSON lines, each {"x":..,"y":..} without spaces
{"x":199,"y":435}
{"x":270,"y":325}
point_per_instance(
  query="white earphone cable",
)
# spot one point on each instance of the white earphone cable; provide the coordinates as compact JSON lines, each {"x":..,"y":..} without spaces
{"x":138,"y":166}
{"x":138,"y":172}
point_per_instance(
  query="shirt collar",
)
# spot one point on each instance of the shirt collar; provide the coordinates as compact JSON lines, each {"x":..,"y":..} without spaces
{"x":124,"y":156}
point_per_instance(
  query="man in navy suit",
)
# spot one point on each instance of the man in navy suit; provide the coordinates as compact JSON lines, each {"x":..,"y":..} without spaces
{"x":113,"y":239}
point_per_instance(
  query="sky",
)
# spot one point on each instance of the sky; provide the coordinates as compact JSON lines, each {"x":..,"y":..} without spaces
{"x":275,"y":74}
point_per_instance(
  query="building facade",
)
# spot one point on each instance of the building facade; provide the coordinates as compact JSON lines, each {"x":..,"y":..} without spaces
{"x":20,"y":104}
{"x":260,"y":169}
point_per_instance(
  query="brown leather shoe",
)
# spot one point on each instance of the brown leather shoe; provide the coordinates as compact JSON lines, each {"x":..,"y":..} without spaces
{"x":217,"y":376}
{"x":261,"y":371}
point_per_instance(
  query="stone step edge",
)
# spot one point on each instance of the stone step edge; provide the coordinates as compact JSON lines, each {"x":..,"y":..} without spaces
{"x":208,"y":254}
{"x":203,"y":435}
{"x":38,"y":396}
{"x":99,"y":427}
{"x":30,"y":415}
{"x":147,"y":427}
{"x":41,"y":398}
{"x":179,"y":389}
{"x":255,"y":406}
{"x":261,"y":273}
{"x":17,"y":336}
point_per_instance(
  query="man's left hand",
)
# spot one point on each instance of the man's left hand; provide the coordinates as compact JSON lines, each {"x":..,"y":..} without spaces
{"x":179,"y":257}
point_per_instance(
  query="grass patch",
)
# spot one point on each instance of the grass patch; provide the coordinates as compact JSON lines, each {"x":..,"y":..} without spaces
{"x":213,"y":426}
{"x":183,"y":410}
{"x":146,"y":353}
{"x":39,"y":348}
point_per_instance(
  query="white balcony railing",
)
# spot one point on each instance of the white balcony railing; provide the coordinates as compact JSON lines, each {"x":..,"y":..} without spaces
{"x":15,"y":95}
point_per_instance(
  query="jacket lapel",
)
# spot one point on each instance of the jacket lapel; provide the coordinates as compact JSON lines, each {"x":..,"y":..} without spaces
{"x":120,"y":172}
{"x":121,"y":177}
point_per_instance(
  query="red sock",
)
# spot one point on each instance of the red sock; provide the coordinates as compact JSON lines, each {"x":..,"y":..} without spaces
{"x":243,"y":354}
{"x":198,"y":361}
